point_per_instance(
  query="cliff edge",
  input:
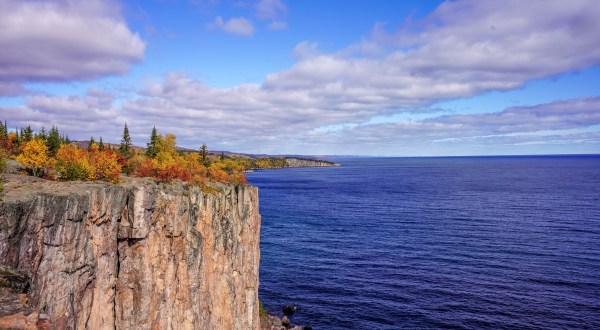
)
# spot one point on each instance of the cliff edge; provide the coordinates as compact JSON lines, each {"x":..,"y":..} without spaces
{"x":134,"y":255}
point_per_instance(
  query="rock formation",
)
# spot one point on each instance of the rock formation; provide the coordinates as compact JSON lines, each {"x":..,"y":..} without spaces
{"x":305,"y":162}
{"x":135,"y":255}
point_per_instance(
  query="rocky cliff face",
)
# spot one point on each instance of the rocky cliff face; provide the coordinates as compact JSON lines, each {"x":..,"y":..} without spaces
{"x":137,"y":255}
{"x":304,"y":162}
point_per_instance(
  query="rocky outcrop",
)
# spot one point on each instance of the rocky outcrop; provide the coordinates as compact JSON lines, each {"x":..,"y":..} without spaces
{"x":136,"y":255}
{"x":305,"y":162}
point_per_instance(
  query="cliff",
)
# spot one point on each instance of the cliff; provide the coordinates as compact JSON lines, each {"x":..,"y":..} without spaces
{"x":136,"y":255}
{"x":305,"y":162}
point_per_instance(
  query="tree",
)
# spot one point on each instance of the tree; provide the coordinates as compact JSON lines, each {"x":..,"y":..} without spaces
{"x":53,"y":141}
{"x":72,"y":163}
{"x":222,"y":158}
{"x":151,"y":151}
{"x":125,"y":147}
{"x":27,"y":134}
{"x":91,"y":143}
{"x":42,"y":134}
{"x":101,"y":145}
{"x":35,"y":157}
{"x":204,"y":155}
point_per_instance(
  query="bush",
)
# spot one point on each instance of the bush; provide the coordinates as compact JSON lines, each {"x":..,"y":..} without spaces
{"x":72,"y":163}
{"x":2,"y":162}
{"x":35,"y":157}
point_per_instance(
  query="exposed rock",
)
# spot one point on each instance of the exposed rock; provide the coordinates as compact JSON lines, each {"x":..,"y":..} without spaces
{"x":136,"y":255}
{"x":285,"y":321}
{"x":288,"y":309}
{"x":305,"y":162}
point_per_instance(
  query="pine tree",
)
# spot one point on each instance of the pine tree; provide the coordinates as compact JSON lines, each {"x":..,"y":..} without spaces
{"x":151,"y":151}
{"x":53,"y":141}
{"x":222,"y":156}
{"x":27,"y":134}
{"x":125,"y":147}
{"x":92,"y":141}
{"x":3,"y":135}
{"x":204,"y":155}
{"x":100,"y":145}
{"x":67,"y":140}
{"x":5,"y":131}
{"x":42,"y":134}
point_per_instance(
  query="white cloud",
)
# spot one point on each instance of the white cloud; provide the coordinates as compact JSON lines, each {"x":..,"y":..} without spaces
{"x":464,"y":48}
{"x":277,"y":25}
{"x":239,"y":26}
{"x":63,"y":41}
{"x":271,"y":10}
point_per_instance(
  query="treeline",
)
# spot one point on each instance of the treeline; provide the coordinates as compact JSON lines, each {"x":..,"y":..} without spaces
{"x":53,"y":156}
{"x":263,"y":163}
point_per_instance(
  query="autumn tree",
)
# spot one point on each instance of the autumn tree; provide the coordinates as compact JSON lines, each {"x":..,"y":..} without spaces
{"x":125,"y":147}
{"x":104,"y":165}
{"x":35,"y":157}
{"x":91,"y":143}
{"x":72,"y":163}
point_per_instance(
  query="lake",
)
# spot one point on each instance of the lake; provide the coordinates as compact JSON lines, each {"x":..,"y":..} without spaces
{"x":449,"y":242}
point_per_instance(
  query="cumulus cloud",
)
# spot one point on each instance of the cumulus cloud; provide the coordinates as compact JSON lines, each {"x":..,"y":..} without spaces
{"x":273,"y":10}
{"x":240,"y":26}
{"x":462,"y":49}
{"x":47,"y":41}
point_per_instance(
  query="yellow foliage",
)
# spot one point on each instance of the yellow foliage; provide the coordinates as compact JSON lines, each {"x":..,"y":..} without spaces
{"x":104,"y":165}
{"x":34,"y":157}
{"x":72,"y":163}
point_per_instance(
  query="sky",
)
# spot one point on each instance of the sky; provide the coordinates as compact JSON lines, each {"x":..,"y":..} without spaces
{"x":380,"y":78}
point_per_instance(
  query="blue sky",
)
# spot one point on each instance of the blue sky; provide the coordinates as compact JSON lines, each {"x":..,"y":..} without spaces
{"x":386,"y":78}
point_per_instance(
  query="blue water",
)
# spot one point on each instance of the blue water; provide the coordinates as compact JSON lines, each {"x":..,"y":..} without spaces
{"x":482,"y":242}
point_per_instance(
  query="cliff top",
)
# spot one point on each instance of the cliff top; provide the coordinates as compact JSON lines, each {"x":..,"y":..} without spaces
{"x":22,"y":187}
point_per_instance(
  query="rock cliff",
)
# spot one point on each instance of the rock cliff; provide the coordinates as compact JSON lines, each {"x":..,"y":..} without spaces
{"x":305,"y":162}
{"x":136,"y":255}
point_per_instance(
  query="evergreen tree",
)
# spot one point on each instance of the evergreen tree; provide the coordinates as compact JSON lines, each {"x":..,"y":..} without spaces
{"x":100,"y":145}
{"x":222,"y":156}
{"x":27,"y":134}
{"x":204,"y":155}
{"x":53,"y":141}
{"x":42,"y":134}
{"x":92,"y":141}
{"x":125,"y":147}
{"x":151,"y":151}
{"x":67,"y":140}
{"x":3,"y":135}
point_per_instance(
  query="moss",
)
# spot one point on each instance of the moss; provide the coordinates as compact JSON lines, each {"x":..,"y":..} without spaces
{"x":262,"y":311}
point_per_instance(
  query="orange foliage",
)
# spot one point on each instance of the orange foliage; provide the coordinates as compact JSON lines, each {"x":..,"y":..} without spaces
{"x":74,"y":163}
{"x":104,"y":164}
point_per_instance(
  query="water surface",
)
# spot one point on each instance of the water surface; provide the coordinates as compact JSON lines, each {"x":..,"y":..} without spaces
{"x":473,"y":242}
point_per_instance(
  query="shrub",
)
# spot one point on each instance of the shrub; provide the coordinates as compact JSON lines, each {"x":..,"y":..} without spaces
{"x":72,"y":163}
{"x":104,"y":165}
{"x":35,"y":157}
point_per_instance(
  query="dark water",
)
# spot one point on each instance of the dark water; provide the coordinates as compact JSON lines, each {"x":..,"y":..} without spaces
{"x":487,"y":242}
